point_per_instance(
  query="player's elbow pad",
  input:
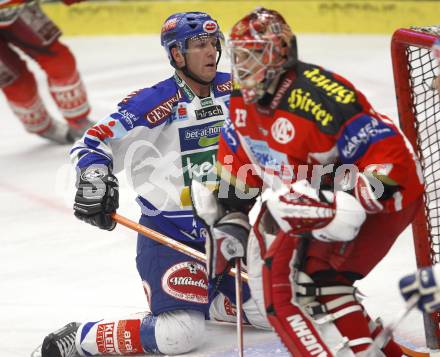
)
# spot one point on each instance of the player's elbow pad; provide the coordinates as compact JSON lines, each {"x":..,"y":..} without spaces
{"x":349,"y":217}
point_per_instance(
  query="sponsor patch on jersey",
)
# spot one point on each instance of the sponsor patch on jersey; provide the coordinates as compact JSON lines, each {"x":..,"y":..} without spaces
{"x":200,"y":166}
{"x":105,"y":339}
{"x":302,"y":101}
{"x":126,"y":118}
{"x":187,"y":281}
{"x":282,"y":130}
{"x":332,"y":88}
{"x":209,"y":112}
{"x":206,"y":102}
{"x":359,"y":134}
{"x":128,"y":337}
{"x":161,"y":112}
{"x":200,"y":136}
{"x":267,"y":157}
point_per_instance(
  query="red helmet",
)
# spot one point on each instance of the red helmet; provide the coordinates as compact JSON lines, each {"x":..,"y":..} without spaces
{"x":261,"y":46}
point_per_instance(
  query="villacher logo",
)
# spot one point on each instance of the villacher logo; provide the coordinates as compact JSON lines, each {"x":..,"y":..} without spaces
{"x":209,"y":112}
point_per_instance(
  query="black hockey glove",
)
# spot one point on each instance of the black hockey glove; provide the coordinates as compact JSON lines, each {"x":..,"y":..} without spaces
{"x":97,"y":196}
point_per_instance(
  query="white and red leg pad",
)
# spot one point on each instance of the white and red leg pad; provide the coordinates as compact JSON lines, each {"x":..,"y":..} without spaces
{"x":295,"y":327}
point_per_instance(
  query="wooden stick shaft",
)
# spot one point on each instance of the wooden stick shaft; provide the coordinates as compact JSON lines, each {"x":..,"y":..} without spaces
{"x":169,"y":242}
{"x":239,"y":306}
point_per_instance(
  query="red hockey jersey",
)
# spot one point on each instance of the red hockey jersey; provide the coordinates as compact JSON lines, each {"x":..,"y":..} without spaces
{"x":317,"y":117}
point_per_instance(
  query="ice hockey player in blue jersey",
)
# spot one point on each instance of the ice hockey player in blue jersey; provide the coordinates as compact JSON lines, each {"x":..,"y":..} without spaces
{"x":163,"y":136}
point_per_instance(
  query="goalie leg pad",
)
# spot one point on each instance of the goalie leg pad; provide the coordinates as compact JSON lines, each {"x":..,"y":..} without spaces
{"x":295,"y":327}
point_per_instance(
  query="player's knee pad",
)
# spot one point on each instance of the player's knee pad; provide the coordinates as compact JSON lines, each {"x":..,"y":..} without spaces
{"x":179,"y":331}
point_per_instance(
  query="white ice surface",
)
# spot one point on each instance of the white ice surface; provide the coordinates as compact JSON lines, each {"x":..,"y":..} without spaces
{"x":55,"y":269}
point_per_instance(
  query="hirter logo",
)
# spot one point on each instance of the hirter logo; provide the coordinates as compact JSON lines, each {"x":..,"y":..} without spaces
{"x":187,"y":281}
{"x":210,"y":26}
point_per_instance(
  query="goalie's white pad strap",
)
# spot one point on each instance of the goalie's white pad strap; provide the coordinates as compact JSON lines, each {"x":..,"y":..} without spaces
{"x":360,"y":341}
{"x":314,"y":309}
{"x":323,"y":291}
{"x":352,"y":343}
{"x":338,"y":314}
{"x":331,"y":305}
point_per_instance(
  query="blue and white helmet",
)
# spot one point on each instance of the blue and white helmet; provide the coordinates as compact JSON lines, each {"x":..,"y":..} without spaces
{"x":183,"y":26}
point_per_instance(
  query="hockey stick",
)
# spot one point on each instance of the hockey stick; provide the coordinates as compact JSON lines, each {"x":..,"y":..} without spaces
{"x":239,"y":306}
{"x":383,"y":337}
{"x":169,"y":242}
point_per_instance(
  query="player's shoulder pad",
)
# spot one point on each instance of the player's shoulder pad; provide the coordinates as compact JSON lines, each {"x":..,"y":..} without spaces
{"x":222,"y":84}
{"x":323,"y":97}
{"x":150,"y":106}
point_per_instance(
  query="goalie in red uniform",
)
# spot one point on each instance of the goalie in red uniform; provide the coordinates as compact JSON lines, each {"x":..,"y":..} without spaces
{"x":335,"y":181}
{"x":23,"y":25}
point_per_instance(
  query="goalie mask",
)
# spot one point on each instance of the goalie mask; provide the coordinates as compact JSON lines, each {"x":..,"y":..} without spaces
{"x":261,"y":47}
{"x":179,"y":28}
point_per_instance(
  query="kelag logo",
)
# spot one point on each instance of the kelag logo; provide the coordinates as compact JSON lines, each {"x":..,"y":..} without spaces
{"x":209,"y":112}
{"x":199,"y":136}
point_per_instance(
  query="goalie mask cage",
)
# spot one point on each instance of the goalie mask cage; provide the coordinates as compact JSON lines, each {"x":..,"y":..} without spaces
{"x":418,"y":104}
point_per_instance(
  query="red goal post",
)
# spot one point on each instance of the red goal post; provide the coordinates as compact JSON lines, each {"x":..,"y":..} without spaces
{"x":418,"y":104}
